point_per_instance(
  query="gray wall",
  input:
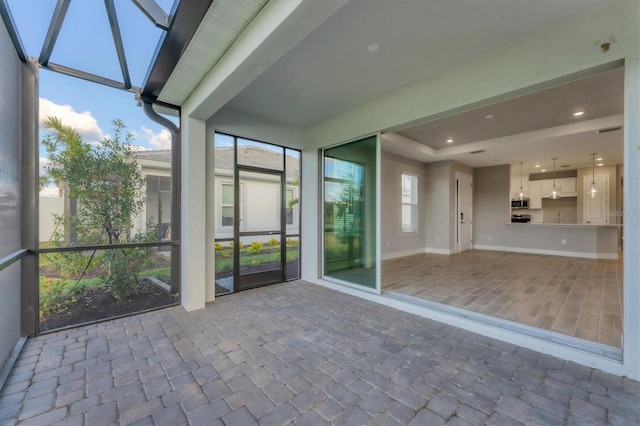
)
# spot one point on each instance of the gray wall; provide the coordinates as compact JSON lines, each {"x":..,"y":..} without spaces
{"x":437,"y":212}
{"x":10,"y":154}
{"x":441,"y":204}
{"x":392,"y":238}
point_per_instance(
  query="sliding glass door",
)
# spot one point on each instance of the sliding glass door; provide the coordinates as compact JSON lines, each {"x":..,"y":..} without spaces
{"x":350,"y":213}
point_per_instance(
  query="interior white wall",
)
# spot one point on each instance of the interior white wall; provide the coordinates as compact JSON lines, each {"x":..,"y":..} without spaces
{"x":394,"y":242}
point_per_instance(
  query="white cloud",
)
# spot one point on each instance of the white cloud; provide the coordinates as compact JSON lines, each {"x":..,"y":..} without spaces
{"x":43,"y":162}
{"x":160,"y":140}
{"x":50,"y":191}
{"x":83,"y":122}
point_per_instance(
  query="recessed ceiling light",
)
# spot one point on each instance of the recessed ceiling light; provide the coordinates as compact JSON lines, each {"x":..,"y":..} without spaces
{"x":600,"y":164}
{"x":599,"y":159}
{"x":449,"y":140}
{"x":373,"y":48}
{"x":578,"y":113}
{"x":537,"y":166}
{"x":543,"y":170}
{"x":488,"y":116}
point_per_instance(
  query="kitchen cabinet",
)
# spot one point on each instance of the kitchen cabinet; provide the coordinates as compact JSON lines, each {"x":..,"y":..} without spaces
{"x":568,"y":187}
{"x":535,"y":194}
{"x":515,"y":186}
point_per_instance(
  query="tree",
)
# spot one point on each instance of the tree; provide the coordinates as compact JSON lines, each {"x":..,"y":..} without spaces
{"x":104,"y":181}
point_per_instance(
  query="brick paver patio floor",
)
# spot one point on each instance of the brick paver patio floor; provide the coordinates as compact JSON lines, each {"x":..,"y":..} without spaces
{"x":303,"y":354}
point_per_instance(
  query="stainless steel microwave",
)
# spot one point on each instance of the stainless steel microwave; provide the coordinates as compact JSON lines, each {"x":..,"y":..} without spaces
{"x":517,"y":203}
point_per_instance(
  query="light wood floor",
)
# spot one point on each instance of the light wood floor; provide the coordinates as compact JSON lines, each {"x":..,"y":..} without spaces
{"x":573,"y":296}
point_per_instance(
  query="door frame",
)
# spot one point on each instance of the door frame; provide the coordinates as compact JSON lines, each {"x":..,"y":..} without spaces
{"x":253,"y":280}
{"x":458,"y":225}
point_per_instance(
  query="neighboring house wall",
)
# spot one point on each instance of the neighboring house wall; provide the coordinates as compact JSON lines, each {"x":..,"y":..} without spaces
{"x":49,"y":207}
{"x":394,"y":242}
{"x":10,"y":204}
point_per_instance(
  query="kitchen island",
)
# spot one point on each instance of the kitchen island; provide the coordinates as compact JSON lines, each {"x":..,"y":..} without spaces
{"x":558,"y":239}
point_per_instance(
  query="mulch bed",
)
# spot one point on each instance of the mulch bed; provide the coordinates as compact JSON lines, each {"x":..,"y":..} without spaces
{"x":99,"y":304}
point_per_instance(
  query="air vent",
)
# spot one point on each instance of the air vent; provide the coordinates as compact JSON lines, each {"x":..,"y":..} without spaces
{"x":566,"y":165}
{"x":477,"y":152}
{"x":610,"y":129}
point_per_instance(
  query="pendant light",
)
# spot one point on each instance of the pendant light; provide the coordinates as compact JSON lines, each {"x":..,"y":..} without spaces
{"x":594,"y":190}
{"x":555,"y":192}
{"x":521,"y":194}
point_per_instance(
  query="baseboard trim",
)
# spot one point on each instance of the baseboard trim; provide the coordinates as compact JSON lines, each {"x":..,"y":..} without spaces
{"x":10,"y":362}
{"x":388,"y":256}
{"x":439,"y":251}
{"x":608,"y":256}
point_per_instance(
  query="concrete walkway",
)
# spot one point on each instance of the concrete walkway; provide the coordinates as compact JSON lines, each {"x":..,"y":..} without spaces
{"x":300,"y":353}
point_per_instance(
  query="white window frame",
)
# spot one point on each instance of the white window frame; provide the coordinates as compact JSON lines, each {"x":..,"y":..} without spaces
{"x":412,"y":203}
{"x":222,"y":205}
{"x":294,"y":209}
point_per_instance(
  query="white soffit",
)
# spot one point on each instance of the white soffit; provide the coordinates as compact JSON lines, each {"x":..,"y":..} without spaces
{"x":332,"y":71}
{"x":224,"y":22}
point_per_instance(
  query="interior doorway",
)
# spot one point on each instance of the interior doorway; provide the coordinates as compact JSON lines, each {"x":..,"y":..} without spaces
{"x":464,"y":212}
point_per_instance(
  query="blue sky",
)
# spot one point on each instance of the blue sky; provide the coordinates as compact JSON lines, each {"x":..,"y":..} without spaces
{"x":85,"y":43}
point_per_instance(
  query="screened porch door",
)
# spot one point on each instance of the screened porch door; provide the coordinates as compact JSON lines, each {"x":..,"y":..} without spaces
{"x":259,"y":231}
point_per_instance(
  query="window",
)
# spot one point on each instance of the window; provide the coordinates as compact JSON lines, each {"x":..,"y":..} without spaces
{"x":409,"y":203}
{"x":227,"y":204}
{"x":291,"y":202}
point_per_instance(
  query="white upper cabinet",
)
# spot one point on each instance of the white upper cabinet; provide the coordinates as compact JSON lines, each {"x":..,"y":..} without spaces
{"x":515,"y":186}
{"x":567,"y":187}
{"x":535,"y":194}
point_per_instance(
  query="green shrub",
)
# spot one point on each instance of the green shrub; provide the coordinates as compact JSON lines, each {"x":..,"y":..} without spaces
{"x":273,"y":242}
{"x":219,"y":246}
{"x":256,"y":247}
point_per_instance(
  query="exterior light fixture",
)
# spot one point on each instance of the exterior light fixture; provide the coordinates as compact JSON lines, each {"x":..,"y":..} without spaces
{"x":578,"y":113}
{"x":555,"y":192}
{"x":594,"y":190}
{"x":450,"y":140}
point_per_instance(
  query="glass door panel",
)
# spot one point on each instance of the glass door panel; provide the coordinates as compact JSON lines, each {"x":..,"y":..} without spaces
{"x":350,"y":213}
{"x":259,"y":227}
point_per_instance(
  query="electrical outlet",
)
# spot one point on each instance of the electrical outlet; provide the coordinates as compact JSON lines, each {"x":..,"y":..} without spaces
{"x":564,"y":241}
